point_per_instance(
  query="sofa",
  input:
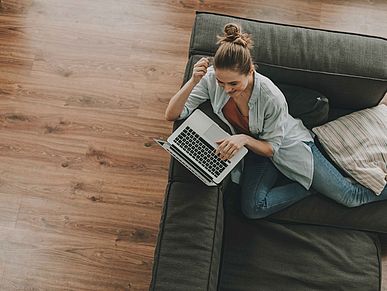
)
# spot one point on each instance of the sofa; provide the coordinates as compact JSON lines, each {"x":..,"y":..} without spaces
{"x":206,"y":243}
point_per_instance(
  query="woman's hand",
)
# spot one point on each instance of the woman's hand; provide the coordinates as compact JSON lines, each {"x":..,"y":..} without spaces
{"x":228,"y":147}
{"x":176,"y":104}
{"x":200,"y":69}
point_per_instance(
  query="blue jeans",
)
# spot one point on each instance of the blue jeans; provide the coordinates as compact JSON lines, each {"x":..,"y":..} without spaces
{"x":260,"y":198}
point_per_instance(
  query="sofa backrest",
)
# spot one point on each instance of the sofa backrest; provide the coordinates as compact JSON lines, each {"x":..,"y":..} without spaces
{"x":350,"y":69}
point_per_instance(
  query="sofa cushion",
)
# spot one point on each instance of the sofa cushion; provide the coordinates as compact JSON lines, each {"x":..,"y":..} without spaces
{"x":190,"y":238}
{"x":319,"y":210}
{"x":357,"y":143}
{"x":266,"y":256}
{"x":344,"y":67}
{"x":271,"y":255}
{"x":310,"y":106}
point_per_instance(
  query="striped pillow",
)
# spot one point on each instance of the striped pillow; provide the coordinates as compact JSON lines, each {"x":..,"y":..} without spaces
{"x":358,"y":144}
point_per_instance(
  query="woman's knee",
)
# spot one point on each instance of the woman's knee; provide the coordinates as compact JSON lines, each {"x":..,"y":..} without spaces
{"x":254,"y":211}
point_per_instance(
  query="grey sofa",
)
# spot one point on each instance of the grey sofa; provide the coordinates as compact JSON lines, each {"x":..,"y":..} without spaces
{"x":205,"y":242}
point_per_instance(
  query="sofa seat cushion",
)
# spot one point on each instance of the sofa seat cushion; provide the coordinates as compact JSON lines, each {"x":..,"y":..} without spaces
{"x":266,"y":256}
{"x":318,"y":209}
{"x":190,"y":238}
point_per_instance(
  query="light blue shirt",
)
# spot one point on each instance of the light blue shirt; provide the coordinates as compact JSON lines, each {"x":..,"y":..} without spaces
{"x":269,"y":120}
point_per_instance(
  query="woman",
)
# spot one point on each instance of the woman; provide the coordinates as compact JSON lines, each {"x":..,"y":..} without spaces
{"x":257,"y":113}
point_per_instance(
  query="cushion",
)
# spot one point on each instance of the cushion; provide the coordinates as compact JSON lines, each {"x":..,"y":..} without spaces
{"x":358,"y":144}
{"x":320,"y":210}
{"x":310,"y":106}
{"x":188,"y":251}
{"x":273,"y":255}
{"x":266,"y":256}
{"x":343,"y":66}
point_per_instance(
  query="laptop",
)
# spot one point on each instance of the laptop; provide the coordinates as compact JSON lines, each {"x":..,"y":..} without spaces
{"x":193,"y":144}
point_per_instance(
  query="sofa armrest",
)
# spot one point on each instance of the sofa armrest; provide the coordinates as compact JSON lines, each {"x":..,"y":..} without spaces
{"x":188,"y":251}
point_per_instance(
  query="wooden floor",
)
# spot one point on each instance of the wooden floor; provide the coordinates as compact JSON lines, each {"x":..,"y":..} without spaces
{"x":83,"y":88}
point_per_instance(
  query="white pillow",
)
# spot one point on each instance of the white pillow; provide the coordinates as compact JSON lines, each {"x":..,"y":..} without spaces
{"x":358,"y":144}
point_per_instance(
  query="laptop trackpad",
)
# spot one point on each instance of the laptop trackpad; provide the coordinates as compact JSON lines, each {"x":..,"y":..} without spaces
{"x":214,"y":133}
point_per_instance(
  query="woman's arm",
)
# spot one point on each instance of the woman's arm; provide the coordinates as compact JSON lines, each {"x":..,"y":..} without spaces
{"x":177,"y":102}
{"x":260,"y":147}
{"x":228,"y":147}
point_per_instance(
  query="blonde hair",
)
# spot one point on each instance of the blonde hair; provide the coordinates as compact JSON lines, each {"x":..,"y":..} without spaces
{"x":234,"y":50}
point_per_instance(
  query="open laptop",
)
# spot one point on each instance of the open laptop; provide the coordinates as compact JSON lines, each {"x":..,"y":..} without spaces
{"x":193,"y":144}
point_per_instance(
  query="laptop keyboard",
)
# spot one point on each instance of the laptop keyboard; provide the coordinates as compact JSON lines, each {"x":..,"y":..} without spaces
{"x":201,"y":151}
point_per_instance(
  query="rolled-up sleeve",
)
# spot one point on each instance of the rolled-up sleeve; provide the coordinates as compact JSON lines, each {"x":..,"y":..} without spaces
{"x":274,"y":123}
{"x":199,"y":94}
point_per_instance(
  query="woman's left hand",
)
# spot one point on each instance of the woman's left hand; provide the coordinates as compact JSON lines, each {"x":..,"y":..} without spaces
{"x":229,"y":146}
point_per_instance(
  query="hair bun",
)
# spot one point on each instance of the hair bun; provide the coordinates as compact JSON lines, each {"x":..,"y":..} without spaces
{"x":232,"y":30}
{"x":233,"y":34}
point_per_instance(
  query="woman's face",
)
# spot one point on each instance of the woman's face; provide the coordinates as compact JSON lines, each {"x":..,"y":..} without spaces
{"x":232,"y":82}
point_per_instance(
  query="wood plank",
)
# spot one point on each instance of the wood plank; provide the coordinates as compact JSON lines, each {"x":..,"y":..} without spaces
{"x":41,"y":261}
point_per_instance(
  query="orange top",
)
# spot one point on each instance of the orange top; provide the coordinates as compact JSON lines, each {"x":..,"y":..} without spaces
{"x":235,"y":117}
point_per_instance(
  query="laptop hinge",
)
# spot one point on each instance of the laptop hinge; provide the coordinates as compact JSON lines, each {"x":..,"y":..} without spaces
{"x":197,"y":169}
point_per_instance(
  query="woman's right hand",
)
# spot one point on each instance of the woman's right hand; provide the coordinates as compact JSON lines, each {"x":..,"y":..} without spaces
{"x":200,"y":69}
{"x":176,"y":104}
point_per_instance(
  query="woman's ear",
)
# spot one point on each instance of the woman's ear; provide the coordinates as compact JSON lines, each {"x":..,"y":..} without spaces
{"x":252,"y":68}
